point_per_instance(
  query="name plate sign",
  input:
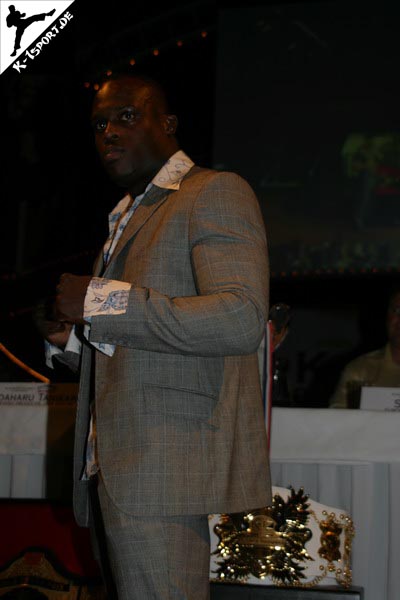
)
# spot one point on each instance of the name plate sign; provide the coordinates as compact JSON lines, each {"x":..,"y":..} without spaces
{"x":37,"y":394}
{"x":380,"y":398}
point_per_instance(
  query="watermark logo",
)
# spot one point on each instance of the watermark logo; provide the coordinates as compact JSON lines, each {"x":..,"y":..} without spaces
{"x":27,"y":27}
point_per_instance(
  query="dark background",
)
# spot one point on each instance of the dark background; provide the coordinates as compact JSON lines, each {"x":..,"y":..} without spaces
{"x":307,"y":109}
{"x":56,"y":199}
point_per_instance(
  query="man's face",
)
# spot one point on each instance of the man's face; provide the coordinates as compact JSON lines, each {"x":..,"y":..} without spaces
{"x":132,"y":134}
{"x":393,"y":321}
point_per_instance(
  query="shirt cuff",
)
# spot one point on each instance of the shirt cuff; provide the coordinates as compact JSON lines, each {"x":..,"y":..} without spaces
{"x":73,"y":345}
{"x":106,"y":297}
{"x":50,"y":350}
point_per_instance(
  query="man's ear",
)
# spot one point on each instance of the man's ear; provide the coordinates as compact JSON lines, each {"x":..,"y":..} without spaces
{"x":170,"y":124}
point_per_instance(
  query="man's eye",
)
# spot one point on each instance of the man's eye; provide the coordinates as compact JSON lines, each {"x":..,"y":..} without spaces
{"x":127,"y":115}
{"x":100,"y":125}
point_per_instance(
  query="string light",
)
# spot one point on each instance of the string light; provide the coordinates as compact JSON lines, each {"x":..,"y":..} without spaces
{"x":96,"y":87}
{"x":155,"y":52}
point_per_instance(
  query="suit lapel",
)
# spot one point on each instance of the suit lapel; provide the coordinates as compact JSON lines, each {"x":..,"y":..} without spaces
{"x":98,"y":264}
{"x":154,"y":198}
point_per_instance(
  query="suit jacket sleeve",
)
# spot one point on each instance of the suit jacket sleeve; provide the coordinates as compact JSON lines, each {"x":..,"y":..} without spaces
{"x":230,"y":266}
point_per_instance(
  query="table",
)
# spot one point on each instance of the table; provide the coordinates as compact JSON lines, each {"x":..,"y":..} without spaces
{"x":226,"y":591}
{"x":349,"y":459}
{"x":36,"y":439}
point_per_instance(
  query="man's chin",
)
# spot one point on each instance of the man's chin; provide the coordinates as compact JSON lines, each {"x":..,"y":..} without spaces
{"x":120,"y":178}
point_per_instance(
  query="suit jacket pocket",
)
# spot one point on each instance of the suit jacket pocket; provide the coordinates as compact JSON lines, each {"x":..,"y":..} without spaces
{"x":178,"y":402}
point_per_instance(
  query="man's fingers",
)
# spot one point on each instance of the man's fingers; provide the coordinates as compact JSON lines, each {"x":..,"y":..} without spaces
{"x":63,"y":280}
{"x":54,"y":326}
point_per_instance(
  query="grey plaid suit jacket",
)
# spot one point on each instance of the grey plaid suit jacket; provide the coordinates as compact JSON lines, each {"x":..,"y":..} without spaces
{"x":180,"y":426}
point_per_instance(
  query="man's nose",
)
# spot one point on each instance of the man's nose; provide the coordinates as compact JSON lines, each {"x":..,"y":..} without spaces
{"x":110,"y":133}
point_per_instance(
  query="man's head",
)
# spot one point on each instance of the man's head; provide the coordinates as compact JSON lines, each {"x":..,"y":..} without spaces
{"x":393,"y":319}
{"x":134,"y":132}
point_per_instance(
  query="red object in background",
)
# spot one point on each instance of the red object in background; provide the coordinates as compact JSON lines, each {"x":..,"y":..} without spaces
{"x":48,"y":526}
{"x":388,"y":171}
{"x":390,"y":186}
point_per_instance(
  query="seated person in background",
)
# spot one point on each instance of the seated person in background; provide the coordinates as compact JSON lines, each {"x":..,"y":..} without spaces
{"x":379,"y":368}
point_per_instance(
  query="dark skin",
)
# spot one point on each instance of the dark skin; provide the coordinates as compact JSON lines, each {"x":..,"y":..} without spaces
{"x":134,"y":137}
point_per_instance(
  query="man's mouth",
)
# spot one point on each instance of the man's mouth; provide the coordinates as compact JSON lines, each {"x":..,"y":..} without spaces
{"x":113,"y":153}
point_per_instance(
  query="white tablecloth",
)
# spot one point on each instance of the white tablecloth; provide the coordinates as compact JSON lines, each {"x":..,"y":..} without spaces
{"x":349,"y":459}
{"x":36,"y":438}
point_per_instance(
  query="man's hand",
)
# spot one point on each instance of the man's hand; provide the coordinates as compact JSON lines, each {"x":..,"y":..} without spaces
{"x":71,"y":292}
{"x":53,"y":331}
{"x":57,"y":333}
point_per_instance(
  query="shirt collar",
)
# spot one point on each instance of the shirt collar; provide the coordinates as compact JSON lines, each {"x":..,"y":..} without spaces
{"x":173,"y":171}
